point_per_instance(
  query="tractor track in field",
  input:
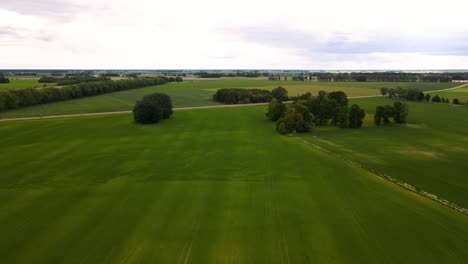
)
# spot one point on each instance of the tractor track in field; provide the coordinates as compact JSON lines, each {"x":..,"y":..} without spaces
{"x":185,"y":108}
{"x":386,"y":177}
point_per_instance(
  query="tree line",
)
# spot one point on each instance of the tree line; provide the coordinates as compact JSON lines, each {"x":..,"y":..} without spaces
{"x":72,"y":79}
{"x":411,"y":94}
{"x":3,"y":79}
{"x":307,"y":111}
{"x":250,"y":74}
{"x":12,"y":99}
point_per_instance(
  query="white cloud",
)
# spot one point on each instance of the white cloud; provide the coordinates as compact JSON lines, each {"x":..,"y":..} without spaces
{"x":211,"y":34}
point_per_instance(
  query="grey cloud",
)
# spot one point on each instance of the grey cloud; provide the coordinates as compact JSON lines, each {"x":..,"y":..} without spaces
{"x":304,"y":43}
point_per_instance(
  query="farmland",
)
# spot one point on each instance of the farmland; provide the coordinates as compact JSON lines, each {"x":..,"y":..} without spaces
{"x":21,"y":83}
{"x":199,"y":93}
{"x":461,"y":94}
{"x":429,"y":152}
{"x":206,"y":186}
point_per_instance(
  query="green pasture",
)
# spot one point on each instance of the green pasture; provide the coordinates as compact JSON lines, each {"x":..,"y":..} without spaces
{"x":22,"y":83}
{"x":430,"y":152}
{"x":206,"y":186}
{"x":461,"y":94}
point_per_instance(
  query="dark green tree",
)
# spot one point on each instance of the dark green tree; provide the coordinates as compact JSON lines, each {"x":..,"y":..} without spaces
{"x":400,"y":112}
{"x":427,"y":97}
{"x":163,"y":101}
{"x":280,"y":93}
{"x":356,"y":116}
{"x":276,"y":109}
{"x":147,"y":112}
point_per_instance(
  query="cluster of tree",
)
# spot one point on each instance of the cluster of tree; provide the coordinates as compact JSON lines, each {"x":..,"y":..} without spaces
{"x":12,"y":99}
{"x":408,"y":94}
{"x":307,"y":110}
{"x":399,"y":113}
{"x":3,"y":79}
{"x":437,"y":99}
{"x":72,"y":79}
{"x":152,"y":108}
{"x":390,"y":77}
{"x":250,"y":74}
{"x":241,"y":96}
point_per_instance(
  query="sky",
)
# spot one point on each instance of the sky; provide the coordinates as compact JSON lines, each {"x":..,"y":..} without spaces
{"x":241,"y":34}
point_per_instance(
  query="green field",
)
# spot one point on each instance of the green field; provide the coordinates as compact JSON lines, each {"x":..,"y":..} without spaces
{"x":23,"y":83}
{"x":461,"y":94}
{"x":199,"y":93}
{"x":430,"y":152}
{"x":205,"y":186}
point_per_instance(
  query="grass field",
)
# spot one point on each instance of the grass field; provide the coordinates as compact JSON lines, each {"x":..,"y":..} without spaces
{"x":206,"y":186}
{"x":23,"y":83}
{"x":429,"y":153}
{"x":461,"y":94}
{"x":199,"y":93}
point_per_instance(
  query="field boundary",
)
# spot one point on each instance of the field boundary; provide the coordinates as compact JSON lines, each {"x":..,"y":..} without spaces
{"x":129,"y":111}
{"x":386,"y":177}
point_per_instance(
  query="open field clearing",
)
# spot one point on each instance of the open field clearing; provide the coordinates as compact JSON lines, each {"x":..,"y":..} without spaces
{"x":199,"y":93}
{"x":205,"y":186}
{"x":23,"y":83}
{"x":461,"y":94}
{"x":430,"y":152}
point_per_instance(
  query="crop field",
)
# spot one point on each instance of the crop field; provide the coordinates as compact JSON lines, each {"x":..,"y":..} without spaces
{"x":22,"y":83}
{"x":461,"y":94}
{"x":208,"y":186}
{"x":430,"y":152}
{"x":199,"y":93}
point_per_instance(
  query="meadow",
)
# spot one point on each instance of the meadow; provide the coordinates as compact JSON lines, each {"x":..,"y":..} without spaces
{"x":461,"y":94}
{"x":22,"y":83}
{"x":429,"y":152}
{"x":200,"y":92}
{"x":205,"y":186}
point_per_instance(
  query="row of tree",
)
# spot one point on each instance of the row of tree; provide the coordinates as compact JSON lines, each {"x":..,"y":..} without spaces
{"x":388,"y":76}
{"x":399,"y":113}
{"x":408,"y":94}
{"x":12,"y":99}
{"x":3,"y":79}
{"x":152,"y":108}
{"x":250,"y":74}
{"x":307,"y":111}
{"x":72,"y":79}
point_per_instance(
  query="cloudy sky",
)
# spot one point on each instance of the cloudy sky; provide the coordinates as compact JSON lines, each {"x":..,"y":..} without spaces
{"x":241,"y":34}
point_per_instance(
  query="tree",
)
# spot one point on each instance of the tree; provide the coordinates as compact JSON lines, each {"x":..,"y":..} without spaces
{"x":297,"y":118}
{"x":163,"y":101}
{"x":280,"y":93}
{"x":400,"y":112}
{"x":147,"y":112}
{"x":322,"y":96}
{"x":276,"y":109}
{"x":455,"y":101}
{"x":427,"y":97}
{"x":436,"y":99}
{"x":3,"y":79}
{"x":387,"y":114}
{"x":340,"y":97}
{"x":356,"y":115}
{"x":379,"y":111}
{"x":384,"y":91}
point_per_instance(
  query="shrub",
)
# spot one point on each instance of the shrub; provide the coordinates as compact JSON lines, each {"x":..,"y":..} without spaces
{"x":455,"y":101}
